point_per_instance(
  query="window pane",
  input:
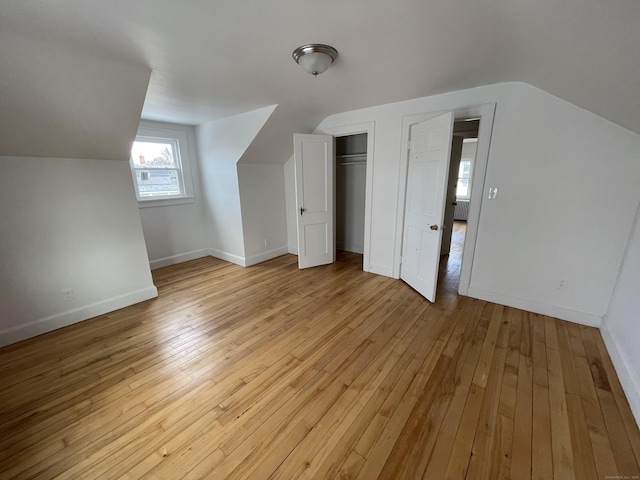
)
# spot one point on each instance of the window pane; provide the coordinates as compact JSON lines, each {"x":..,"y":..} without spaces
{"x":465,"y":169}
{"x":462,"y":188}
{"x":153,"y":154}
{"x":157,"y":183}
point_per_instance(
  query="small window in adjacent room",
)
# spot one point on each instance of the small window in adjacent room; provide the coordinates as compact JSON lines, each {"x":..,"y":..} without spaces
{"x":463,"y":187}
{"x":160,"y":167}
{"x":464,"y":176}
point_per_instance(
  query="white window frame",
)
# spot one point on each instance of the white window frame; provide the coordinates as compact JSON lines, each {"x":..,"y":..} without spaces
{"x":183,"y":160}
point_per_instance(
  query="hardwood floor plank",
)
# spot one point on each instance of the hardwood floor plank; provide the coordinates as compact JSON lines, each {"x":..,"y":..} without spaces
{"x":485,"y":456}
{"x":541,"y":454}
{"x":562,"y":448}
{"x":523,"y":417}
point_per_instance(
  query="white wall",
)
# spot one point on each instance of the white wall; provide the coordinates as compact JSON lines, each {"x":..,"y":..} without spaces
{"x":568,"y":190}
{"x":67,"y":224}
{"x":221,"y":144}
{"x":568,"y":183}
{"x":263,"y":211}
{"x":176,"y":233}
{"x":621,"y":328}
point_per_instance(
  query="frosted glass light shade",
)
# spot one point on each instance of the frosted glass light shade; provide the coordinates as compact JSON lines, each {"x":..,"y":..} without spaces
{"x":315,"y":58}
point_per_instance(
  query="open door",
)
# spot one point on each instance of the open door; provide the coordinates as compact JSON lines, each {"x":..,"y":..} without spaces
{"x":313,"y":161}
{"x":429,"y":153}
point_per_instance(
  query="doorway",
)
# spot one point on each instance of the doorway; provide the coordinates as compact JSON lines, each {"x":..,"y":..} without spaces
{"x":462,"y":161}
{"x":351,"y":181}
{"x":484,"y":114}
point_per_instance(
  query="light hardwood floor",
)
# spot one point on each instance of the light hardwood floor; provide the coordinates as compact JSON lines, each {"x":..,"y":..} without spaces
{"x":272,"y":372}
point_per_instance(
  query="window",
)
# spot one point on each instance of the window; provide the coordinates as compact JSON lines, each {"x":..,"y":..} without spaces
{"x":464,"y":177}
{"x":160,"y":167}
{"x":463,"y":187}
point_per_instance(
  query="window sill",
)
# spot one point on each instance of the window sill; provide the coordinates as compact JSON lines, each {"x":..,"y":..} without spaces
{"x":165,"y":202}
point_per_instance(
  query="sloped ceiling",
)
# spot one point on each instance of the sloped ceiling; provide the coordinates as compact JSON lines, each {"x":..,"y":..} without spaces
{"x":216,"y":58}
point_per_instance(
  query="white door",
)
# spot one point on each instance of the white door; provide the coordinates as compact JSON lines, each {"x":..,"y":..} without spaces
{"x":429,"y":152}
{"x":314,"y":161}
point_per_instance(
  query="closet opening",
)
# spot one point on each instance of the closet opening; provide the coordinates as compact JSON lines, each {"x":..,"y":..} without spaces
{"x":350,"y":199}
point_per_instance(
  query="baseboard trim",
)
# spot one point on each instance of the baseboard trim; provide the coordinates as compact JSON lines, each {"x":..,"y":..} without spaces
{"x":228,"y":257}
{"x":181,"y":257}
{"x":63,"y":319}
{"x":264,"y":256}
{"x":631,"y":388}
{"x":583,"y":318}
{"x":378,"y":270}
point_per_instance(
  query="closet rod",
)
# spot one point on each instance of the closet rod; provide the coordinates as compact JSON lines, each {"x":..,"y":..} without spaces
{"x":353,"y":163}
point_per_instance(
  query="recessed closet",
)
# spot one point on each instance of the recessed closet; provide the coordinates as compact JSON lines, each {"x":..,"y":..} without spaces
{"x":351,"y":174}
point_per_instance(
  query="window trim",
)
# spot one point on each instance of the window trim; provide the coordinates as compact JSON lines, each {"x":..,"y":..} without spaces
{"x":180,"y":140}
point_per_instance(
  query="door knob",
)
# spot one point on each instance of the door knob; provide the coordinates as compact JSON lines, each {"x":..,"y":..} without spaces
{"x":433,"y":227}
{"x":302,"y":209}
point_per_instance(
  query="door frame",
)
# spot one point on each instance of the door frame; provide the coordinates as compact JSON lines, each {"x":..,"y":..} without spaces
{"x":354,"y":129}
{"x":485,"y":112}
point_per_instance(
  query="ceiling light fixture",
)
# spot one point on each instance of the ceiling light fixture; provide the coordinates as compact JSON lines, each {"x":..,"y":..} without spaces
{"x":315,"y":58}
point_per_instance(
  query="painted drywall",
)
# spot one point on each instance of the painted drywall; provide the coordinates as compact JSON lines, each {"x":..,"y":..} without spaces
{"x":176,"y":233}
{"x":60,"y":100}
{"x":263,"y":211}
{"x":221,"y":144}
{"x":567,"y":184}
{"x":67,"y":224}
{"x":567,"y":193}
{"x":621,"y":328}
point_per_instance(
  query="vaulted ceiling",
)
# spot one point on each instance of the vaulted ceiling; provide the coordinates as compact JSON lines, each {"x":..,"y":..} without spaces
{"x":211,"y":59}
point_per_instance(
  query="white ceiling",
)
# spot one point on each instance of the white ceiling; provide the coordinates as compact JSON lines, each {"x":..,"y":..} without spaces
{"x":215,"y":58}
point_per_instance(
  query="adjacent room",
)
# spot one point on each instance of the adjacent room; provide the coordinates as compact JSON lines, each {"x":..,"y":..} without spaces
{"x":334,"y":240}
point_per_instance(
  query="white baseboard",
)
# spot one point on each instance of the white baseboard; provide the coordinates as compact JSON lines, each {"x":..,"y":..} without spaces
{"x":63,"y":319}
{"x":630,"y":387}
{"x":378,"y":270}
{"x":583,"y":318}
{"x":292,"y":249}
{"x":228,"y":257}
{"x":182,"y":257}
{"x":264,"y":256}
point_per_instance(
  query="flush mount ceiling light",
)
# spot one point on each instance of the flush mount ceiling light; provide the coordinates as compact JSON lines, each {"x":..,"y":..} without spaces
{"x":315,"y":58}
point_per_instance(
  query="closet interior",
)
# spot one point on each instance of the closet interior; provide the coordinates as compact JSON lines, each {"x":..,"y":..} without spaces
{"x":351,"y":174}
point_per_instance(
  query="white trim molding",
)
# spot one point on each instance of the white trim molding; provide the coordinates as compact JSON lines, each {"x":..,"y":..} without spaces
{"x":179,"y":258}
{"x":264,"y":256}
